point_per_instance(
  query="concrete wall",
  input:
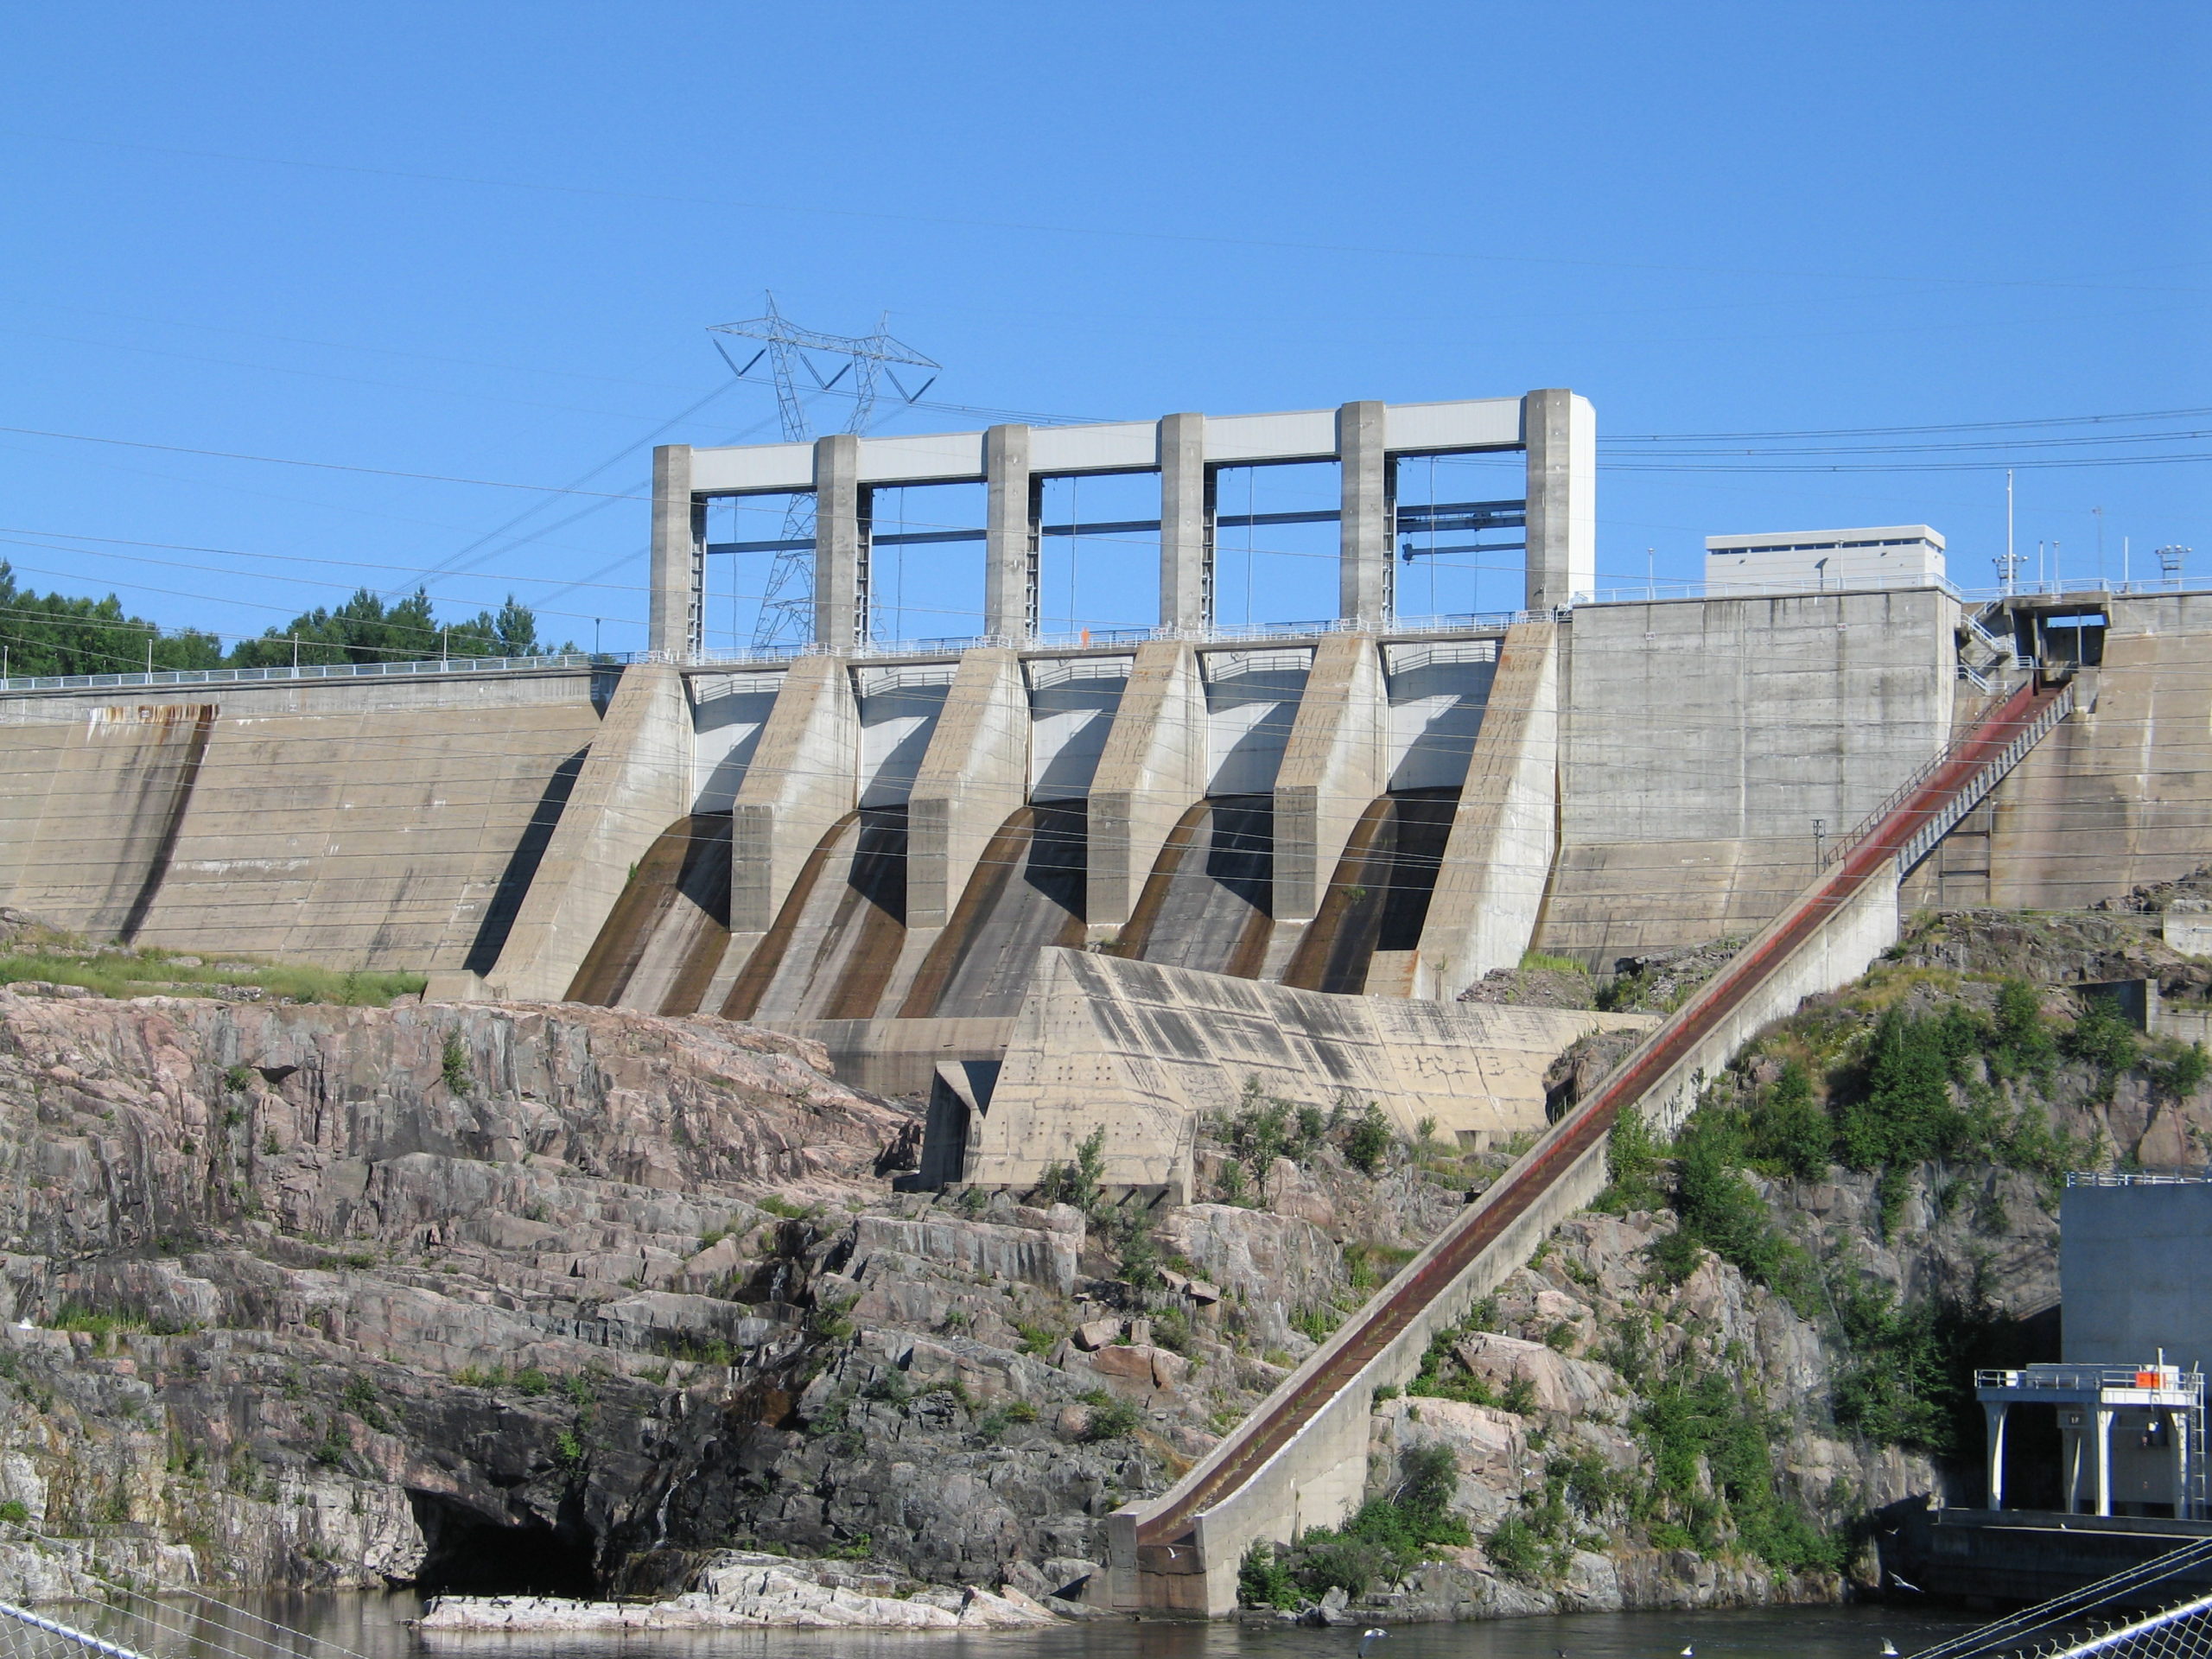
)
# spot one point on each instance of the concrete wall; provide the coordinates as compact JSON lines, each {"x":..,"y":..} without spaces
{"x":1438,"y":689}
{"x":2135,"y":1274}
{"x":729,"y":714}
{"x":2121,"y":793}
{"x":636,"y":781}
{"x":1490,"y":889}
{"x":1143,"y":1051}
{"x":1072,"y":703}
{"x":384,"y":824}
{"x":1701,"y":739}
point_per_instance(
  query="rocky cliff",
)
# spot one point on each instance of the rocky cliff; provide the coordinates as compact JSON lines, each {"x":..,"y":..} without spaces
{"x":551,"y":1300}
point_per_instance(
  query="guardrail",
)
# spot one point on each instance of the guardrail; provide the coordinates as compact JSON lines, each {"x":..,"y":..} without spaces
{"x":2085,"y":1379}
{"x":2134,"y":1177}
{"x":333,"y":672}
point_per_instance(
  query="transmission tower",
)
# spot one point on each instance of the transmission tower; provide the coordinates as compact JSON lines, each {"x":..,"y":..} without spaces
{"x":787,"y":601}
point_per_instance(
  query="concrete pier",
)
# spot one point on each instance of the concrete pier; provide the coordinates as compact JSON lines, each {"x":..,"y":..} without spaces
{"x":841,"y":558}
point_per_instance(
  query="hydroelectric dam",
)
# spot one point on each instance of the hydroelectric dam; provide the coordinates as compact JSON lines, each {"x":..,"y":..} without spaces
{"x":1062,"y":885}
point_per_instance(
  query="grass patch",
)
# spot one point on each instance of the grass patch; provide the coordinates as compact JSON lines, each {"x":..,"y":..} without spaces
{"x":112,"y":971}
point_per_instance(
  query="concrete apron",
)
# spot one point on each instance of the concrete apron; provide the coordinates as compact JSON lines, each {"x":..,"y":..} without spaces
{"x":1318,"y":1476}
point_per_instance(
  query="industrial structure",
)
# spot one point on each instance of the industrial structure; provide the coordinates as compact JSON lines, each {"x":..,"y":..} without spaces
{"x":1060,"y":885}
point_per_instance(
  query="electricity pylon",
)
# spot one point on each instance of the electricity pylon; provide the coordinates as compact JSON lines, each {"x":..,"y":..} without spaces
{"x":787,"y":602}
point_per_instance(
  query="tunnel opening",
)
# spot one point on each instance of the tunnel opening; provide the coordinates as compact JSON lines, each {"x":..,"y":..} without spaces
{"x":469,"y":1554}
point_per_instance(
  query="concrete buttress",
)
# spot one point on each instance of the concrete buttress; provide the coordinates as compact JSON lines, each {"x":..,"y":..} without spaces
{"x":635,"y":782}
{"x":1337,"y":761}
{"x":1490,"y":889}
{"x":974,"y":775}
{"x":804,"y":776}
{"x":1154,"y":767}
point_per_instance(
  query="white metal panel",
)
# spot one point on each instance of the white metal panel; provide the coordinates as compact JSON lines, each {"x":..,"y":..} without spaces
{"x":1438,"y":691}
{"x":1305,"y":435}
{"x":899,"y":711}
{"x":1252,"y":698}
{"x":1072,"y":706}
{"x":1109,"y":447}
{"x":741,"y":469}
{"x":1474,"y":423}
{"x":728,"y":713}
{"x":928,"y":458}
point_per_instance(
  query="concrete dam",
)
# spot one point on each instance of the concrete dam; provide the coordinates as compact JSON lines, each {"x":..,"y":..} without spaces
{"x":1061,"y":884}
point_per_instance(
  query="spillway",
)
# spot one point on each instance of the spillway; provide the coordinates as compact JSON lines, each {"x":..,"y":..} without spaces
{"x":838,"y":936}
{"x":1209,"y":901}
{"x":661,"y":943}
{"x":1028,"y":893}
{"x":1369,"y":924}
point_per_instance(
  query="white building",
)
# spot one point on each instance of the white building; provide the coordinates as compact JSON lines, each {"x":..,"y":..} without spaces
{"x":1824,"y":561}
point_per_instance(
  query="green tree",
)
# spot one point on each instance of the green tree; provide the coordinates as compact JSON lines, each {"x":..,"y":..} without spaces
{"x":56,"y":633}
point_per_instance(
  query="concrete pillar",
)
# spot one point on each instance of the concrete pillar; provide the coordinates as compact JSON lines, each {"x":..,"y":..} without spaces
{"x":1558,"y":431}
{"x":1010,"y":536}
{"x":803,"y":776}
{"x":1153,"y":768}
{"x":674,"y":620}
{"x":1490,"y":891}
{"x":636,"y":781}
{"x":1185,"y":525}
{"x":2104,"y":1462}
{"x":1336,"y":762}
{"x":973,"y":776}
{"x":1995,"y":1411}
{"x":1366,"y":578}
{"x":841,"y":559}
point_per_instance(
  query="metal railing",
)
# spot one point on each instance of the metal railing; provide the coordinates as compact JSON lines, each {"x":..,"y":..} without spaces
{"x":2134,"y":1177}
{"x":435,"y":665}
{"x":2089,"y":1379}
{"x":1957,"y":803}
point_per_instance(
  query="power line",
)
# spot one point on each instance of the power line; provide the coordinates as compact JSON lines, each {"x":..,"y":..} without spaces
{"x":323,"y":466}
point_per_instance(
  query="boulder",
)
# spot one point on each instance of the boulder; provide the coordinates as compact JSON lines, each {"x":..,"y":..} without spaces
{"x":1563,"y":1387}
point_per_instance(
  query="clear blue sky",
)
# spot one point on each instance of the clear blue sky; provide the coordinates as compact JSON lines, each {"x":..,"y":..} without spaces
{"x":485,"y":242}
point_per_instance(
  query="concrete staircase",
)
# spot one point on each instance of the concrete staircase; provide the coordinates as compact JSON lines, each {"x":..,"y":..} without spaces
{"x":1301,"y":1459}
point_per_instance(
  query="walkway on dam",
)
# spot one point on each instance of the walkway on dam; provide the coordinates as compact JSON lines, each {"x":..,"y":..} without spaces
{"x":1169,"y":1545}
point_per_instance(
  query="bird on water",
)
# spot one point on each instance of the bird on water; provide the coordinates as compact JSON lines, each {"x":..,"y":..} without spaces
{"x":1368,"y":1637}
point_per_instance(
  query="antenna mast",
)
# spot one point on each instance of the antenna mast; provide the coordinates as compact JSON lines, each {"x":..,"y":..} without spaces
{"x":787,"y":602}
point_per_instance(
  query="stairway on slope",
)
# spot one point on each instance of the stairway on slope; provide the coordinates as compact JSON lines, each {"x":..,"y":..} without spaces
{"x":1209,"y":903}
{"x":1162,"y":1542}
{"x":661,"y":943}
{"x":1027,"y":893}
{"x":833,"y":945}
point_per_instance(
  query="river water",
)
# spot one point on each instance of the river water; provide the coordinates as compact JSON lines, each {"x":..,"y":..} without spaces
{"x":375,"y":1627}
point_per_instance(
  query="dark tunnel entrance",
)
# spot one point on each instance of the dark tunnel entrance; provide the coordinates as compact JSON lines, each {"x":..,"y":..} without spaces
{"x":467,"y":1554}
